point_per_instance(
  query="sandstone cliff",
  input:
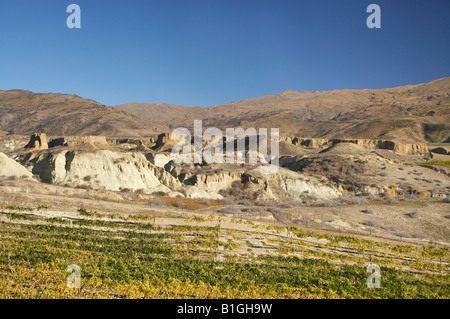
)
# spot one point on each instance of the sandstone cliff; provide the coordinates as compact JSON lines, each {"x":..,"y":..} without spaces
{"x":414,"y":148}
{"x":9,"y":167}
{"x":37,"y":142}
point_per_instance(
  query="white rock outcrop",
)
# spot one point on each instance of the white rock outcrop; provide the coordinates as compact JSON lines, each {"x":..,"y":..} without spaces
{"x":298,"y":189}
{"x":102,"y":169}
{"x":116,"y":171}
{"x":9,"y":167}
{"x":160,"y":159}
{"x":195,"y":192}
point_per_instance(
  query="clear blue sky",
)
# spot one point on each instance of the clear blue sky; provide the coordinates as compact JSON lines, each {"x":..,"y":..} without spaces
{"x":209,"y":52}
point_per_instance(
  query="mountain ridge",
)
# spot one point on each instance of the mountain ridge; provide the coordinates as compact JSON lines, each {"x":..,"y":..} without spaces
{"x":411,"y":113}
{"x":418,"y":113}
{"x":25,"y":112}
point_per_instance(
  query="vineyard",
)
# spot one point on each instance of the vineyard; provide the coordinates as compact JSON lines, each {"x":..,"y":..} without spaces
{"x":175,"y":255}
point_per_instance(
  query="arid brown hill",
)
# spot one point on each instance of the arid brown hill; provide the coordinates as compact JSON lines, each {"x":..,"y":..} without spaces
{"x":25,"y":112}
{"x":413,"y":113}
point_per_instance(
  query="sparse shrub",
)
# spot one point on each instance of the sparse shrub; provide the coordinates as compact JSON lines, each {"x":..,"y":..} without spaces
{"x":157,"y":202}
{"x":370,"y":230}
{"x":326,"y":226}
{"x":403,"y":235}
{"x":41,"y":206}
{"x":228,"y":210}
{"x":159,"y":193}
{"x":84,"y":195}
{"x":327,"y":203}
{"x":286,"y":205}
{"x":279,"y":215}
{"x":447,"y":199}
{"x":236,"y":190}
{"x":274,"y":210}
{"x":179,"y":204}
{"x":425,"y":194}
{"x":291,"y":204}
{"x":407,"y":196}
{"x":392,"y":200}
{"x":374,"y":197}
{"x":226,"y":201}
{"x":304,"y":220}
{"x":265,"y":203}
{"x":253,"y":209}
{"x":244,"y":202}
{"x":412,"y":214}
{"x":371,"y":223}
{"x":297,"y":203}
{"x":337,"y":170}
{"x":357,"y":200}
{"x":434,"y":191}
{"x":84,"y":212}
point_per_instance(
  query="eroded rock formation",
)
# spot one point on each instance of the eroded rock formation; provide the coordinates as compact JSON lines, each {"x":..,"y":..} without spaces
{"x":415,"y":148}
{"x":9,"y":167}
{"x":38,"y":141}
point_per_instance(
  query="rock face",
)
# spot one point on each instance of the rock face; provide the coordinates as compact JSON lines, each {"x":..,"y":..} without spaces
{"x":38,"y":141}
{"x":93,"y":162}
{"x":9,"y":167}
{"x":74,"y":141}
{"x":416,"y":148}
{"x":100,"y":170}
{"x":10,"y":143}
{"x":314,"y":142}
{"x":284,"y":185}
{"x":203,"y":183}
{"x":160,"y":159}
{"x":165,"y":142}
{"x":300,"y":189}
{"x":306,"y":142}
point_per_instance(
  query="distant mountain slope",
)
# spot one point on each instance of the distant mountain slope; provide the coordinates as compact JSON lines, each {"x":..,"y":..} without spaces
{"x":408,"y":113}
{"x":413,"y":113}
{"x":25,"y":112}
